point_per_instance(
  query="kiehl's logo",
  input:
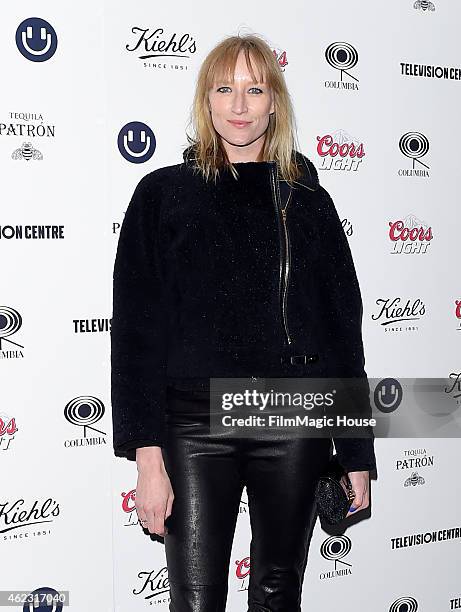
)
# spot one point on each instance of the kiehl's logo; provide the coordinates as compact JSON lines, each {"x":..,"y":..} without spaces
{"x":150,"y":43}
{"x":16,"y":514}
{"x":154,"y":583}
{"x":393,"y":315}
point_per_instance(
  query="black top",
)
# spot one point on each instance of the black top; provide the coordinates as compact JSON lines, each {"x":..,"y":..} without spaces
{"x":207,"y":283}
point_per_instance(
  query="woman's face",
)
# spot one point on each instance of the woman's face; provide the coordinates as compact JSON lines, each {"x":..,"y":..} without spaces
{"x":240,"y":112}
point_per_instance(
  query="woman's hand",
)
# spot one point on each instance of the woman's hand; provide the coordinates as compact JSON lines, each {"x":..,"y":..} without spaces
{"x":154,"y":494}
{"x":361,"y":485}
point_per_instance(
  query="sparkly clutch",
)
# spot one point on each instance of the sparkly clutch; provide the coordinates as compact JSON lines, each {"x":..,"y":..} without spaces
{"x":334,"y":493}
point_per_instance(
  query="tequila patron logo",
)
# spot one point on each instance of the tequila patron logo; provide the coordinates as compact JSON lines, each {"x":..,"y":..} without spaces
{"x":27,"y":152}
{"x":414,"y":146}
{"x":335,"y":549}
{"x":36,"y":39}
{"x":26,"y":125}
{"x":26,"y":129}
{"x":160,"y":49}
{"x":414,"y":480}
{"x":409,"y":236}
{"x":10,"y":323}
{"x":136,"y":142}
{"x":395,"y":316}
{"x":415,"y":458}
{"x":424,"y":6}
{"x":340,"y":151}
{"x":343,"y":57}
{"x":8,"y":428}
{"x":84,"y":411}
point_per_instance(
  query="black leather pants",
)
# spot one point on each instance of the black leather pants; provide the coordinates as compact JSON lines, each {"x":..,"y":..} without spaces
{"x":207,"y":473}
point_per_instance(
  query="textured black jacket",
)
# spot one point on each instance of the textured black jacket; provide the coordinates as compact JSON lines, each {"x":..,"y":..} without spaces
{"x":207,"y":283}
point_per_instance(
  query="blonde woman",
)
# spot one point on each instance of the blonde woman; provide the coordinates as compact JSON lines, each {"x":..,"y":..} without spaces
{"x":232,"y":264}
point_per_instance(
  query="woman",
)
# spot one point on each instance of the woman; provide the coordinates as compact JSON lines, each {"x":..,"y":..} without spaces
{"x":231,"y":264}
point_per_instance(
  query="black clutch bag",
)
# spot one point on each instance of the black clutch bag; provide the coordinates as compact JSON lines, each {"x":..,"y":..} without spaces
{"x":334,"y":493}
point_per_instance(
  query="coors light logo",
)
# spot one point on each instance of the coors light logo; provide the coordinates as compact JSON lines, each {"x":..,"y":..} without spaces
{"x":129,"y":508}
{"x":458,"y":313}
{"x":340,"y":151}
{"x":8,"y":428}
{"x":409,"y":236}
{"x":242,"y":572}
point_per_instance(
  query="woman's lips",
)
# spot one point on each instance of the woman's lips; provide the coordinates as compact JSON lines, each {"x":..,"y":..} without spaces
{"x":239,"y":124}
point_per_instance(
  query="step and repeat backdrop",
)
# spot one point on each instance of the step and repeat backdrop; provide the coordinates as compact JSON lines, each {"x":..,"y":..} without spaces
{"x":95,"y":98}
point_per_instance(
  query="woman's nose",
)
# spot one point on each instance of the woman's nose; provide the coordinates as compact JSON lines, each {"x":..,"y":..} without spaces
{"x":239,"y":104}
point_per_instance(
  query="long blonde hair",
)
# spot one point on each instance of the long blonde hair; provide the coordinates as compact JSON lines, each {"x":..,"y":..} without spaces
{"x":208,"y":152}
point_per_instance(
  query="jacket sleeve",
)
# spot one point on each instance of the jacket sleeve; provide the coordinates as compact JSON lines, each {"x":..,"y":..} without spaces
{"x":344,"y":320}
{"x":139,"y":329}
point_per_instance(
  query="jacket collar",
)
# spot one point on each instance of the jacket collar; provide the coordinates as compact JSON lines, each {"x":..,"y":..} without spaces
{"x":309,"y":178}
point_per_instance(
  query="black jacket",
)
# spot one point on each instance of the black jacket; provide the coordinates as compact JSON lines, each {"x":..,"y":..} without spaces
{"x":207,"y":283}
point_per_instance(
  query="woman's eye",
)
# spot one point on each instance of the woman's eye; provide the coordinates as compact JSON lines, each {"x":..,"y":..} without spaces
{"x":256,"y":89}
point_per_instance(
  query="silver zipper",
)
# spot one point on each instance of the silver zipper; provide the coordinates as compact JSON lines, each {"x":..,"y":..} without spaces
{"x":287,"y":267}
{"x":283,"y":280}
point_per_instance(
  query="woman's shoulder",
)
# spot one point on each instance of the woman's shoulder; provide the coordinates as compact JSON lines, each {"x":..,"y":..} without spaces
{"x":309,"y":175}
{"x":156,"y":182}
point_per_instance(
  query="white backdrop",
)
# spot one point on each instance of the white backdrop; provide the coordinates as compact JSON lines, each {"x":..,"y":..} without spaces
{"x":67,"y":516}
